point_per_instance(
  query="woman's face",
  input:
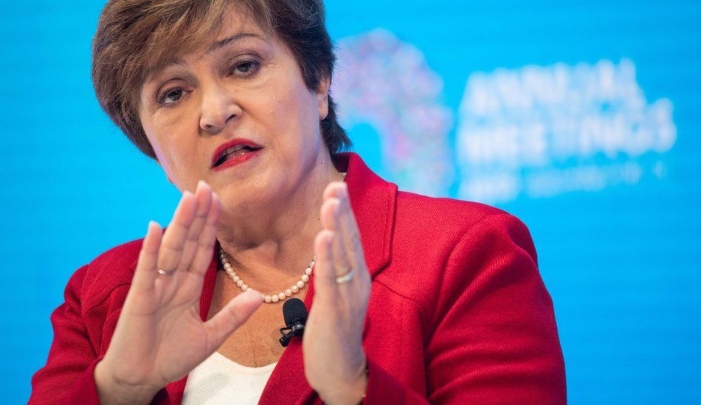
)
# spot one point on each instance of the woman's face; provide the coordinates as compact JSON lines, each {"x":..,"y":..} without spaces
{"x":236,"y":114}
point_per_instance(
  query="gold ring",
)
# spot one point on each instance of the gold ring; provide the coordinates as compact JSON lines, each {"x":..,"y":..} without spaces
{"x":346,"y":277}
{"x":166,"y":272}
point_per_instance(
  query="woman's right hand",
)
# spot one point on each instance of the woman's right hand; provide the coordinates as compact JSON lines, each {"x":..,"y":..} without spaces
{"x":160,"y":336}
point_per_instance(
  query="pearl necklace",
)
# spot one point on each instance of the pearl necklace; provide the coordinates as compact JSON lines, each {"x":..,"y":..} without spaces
{"x":268,"y":298}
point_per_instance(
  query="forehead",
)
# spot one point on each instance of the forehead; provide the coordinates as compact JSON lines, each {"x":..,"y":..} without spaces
{"x":235,"y":26}
{"x":202,"y":33}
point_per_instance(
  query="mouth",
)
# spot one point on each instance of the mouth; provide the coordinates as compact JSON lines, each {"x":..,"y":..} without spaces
{"x":234,"y":152}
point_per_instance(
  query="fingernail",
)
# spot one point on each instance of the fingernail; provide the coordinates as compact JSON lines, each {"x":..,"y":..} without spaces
{"x":254,"y":295}
{"x":337,"y":208}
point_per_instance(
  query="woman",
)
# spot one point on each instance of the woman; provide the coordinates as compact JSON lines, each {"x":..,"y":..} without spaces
{"x":231,"y":99}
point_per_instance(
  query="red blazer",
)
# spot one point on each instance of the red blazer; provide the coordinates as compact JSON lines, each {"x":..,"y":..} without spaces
{"x":458,"y":312}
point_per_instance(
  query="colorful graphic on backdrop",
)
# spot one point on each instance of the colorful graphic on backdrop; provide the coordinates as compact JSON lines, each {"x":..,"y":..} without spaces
{"x":535,"y":131}
{"x":387,"y":83}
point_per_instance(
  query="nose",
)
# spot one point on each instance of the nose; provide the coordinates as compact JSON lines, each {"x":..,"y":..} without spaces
{"x":217,"y":110}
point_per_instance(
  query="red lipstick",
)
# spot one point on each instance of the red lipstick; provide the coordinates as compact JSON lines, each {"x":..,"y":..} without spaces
{"x":233,"y":153}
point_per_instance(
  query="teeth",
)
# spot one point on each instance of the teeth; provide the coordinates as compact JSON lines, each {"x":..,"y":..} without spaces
{"x":230,"y":151}
{"x":234,"y":149}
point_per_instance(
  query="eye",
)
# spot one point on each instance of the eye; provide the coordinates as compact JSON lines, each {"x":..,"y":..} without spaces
{"x":245,"y":68}
{"x":170,"y":96}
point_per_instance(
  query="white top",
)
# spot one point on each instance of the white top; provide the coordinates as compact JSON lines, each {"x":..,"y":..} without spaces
{"x":219,"y":380}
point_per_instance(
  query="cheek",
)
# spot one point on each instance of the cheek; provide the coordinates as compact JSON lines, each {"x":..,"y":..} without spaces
{"x":308,"y":110}
{"x":164,"y":155}
{"x":166,"y":162}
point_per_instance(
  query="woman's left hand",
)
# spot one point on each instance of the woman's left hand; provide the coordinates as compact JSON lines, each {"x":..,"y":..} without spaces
{"x":334,"y":360}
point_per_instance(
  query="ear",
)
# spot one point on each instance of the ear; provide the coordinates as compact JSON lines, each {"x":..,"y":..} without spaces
{"x":322,"y":97}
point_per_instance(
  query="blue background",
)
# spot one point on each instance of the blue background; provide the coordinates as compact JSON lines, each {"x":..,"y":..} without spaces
{"x":621,"y":262}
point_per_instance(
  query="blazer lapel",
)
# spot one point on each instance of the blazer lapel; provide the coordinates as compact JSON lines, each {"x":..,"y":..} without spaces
{"x":374,"y":203}
{"x":287,"y":384}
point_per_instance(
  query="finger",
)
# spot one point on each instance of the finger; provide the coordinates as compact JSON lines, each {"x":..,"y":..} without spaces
{"x":207,"y":238}
{"x":203,"y":197}
{"x":175,"y":235}
{"x":331,"y":189}
{"x":324,"y":274}
{"x":233,"y":315}
{"x":359,"y":285}
{"x":349,"y":230}
{"x":346,"y":225}
{"x":330,"y":221}
{"x":341,"y":263}
{"x":148,"y":256}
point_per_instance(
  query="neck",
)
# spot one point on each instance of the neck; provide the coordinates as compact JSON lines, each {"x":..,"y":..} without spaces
{"x":277,"y":236}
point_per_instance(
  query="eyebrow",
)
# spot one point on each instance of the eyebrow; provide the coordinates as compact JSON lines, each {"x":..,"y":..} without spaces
{"x":215,"y":46}
{"x":226,"y":41}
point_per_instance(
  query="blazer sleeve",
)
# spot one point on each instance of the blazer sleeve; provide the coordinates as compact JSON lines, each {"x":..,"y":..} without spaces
{"x":67,"y":377}
{"x":491,"y":337}
{"x":495,"y":339}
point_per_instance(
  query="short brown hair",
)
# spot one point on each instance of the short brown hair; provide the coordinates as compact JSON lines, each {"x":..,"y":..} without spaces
{"x":137,"y":37}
